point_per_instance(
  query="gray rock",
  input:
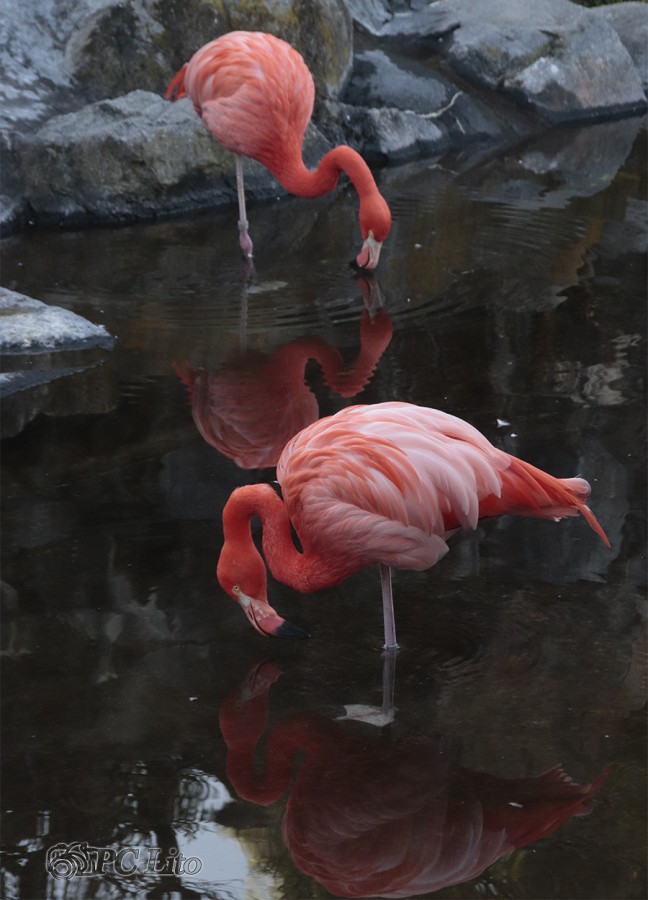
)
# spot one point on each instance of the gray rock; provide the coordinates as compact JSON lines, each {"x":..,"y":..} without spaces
{"x":119,"y":160}
{"x":29,"y":326}
{"x":436,"y":113}
{"x":57,"y":54}
{"x":371,"y":15}
{"x":565,"y":62}
{"x":129,"y":41}
{"x":13,"y":208}
{"x":34,"y":77}
{"x":387,"y":134}
{"x":630,"y":21}
{"x":133,"y":158}
{"x":376,"y":17}
{"x":380,"y":78}
{"x":141,"y":43}
{"x":587,"y":74}
{"x":45,"y":346}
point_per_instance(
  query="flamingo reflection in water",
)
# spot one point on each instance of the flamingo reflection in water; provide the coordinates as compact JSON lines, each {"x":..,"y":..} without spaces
{"x":396,"y":817}
{"x":248,"y":410}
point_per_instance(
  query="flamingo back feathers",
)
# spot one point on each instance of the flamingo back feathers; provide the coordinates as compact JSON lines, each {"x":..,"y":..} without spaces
{"x":384,"y":481}
{"x":390,"y":482}
{"x":254,"y":92}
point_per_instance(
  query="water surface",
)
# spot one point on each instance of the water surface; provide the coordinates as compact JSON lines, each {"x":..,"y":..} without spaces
{"x":140,"y":709}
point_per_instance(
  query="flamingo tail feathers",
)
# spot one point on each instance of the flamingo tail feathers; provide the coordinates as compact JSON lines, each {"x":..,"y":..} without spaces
{"x":176,"y":87}
{"x":528,"y":491}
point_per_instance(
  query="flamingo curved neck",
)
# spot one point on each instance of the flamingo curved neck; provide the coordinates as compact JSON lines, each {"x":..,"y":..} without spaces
{"x":304,"y":571}
{"x":305,"y":182}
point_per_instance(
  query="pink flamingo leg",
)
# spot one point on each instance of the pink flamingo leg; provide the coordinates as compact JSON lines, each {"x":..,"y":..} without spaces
{"x":244,"y":238}
{"x":388,"y":608}
{"x":389,"y":682}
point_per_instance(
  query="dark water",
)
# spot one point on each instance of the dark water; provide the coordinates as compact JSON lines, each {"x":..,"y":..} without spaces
{"x":140,"y":709}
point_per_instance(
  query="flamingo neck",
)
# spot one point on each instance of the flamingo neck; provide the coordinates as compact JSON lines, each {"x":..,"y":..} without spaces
{"x":304,"y":571}
{"x":305,"y":182}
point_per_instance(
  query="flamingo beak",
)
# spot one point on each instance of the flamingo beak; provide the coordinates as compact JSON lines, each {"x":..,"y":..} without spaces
{"x":266,"y":621}
{"x":370,"y":253}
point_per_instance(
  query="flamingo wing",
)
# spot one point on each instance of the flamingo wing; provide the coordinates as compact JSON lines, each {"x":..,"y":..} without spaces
{"x":387,"y":483}
{"x":254,"y":93}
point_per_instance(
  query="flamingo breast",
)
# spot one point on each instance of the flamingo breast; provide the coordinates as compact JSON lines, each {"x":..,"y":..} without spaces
{"x":387,"y":483}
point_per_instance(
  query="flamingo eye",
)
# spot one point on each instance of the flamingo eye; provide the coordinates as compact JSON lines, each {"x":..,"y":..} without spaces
{"x":236,"y":589}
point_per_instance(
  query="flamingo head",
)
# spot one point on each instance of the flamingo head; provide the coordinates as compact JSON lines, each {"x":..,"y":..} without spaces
{"x":245,"y":581}
{"x":375,"y":223}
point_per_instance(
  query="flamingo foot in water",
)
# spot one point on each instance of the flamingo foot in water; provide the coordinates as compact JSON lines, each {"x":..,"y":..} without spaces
{"x":245,"y":240}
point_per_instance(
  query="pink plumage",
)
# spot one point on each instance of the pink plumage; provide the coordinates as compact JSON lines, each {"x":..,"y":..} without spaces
{"x":386,"y":484}
{"x":255,"y":93}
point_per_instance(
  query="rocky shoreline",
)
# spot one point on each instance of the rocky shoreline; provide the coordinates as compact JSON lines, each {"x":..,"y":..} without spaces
{"x":87,"y":138}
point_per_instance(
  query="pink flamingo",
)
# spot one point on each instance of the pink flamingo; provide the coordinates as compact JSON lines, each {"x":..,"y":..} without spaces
{"x":387,"y":483}
{"x":255,"y":94}
{"x":396,"y":818}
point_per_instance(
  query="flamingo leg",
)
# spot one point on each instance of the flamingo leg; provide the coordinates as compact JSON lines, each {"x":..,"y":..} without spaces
{"x":388,"y":608}
{"x":244,"y":238}
{"x":389,"y":682}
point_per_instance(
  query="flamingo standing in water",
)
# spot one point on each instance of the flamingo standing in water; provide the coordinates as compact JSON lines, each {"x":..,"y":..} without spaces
{"x":255,"y":94}
{"x":387,"y":483}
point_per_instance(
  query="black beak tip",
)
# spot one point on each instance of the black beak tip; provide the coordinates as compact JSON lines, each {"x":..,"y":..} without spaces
{"x":288,"y":630}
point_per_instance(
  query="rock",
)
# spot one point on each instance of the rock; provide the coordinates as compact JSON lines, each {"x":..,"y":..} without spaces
{"x":630,"y":21}
{"x":128,"y":41}
{"x":564,"y":61}
{"x":13,"y":208}
{"x":120,"y":160}
{"x":587,"y":74}
{"x":132,"y":158}
{"x":376,"y":17}
{"x":136,"y":156}
{"x":392,"y":135}
{"x":49,"y":353}
{"x":34,"y":78}
{"x":141,"y":43}
{"x":429,"y":77}
{"x":380,"y":78}
{"x":27,"y":325}
{"x":396,"y":108}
